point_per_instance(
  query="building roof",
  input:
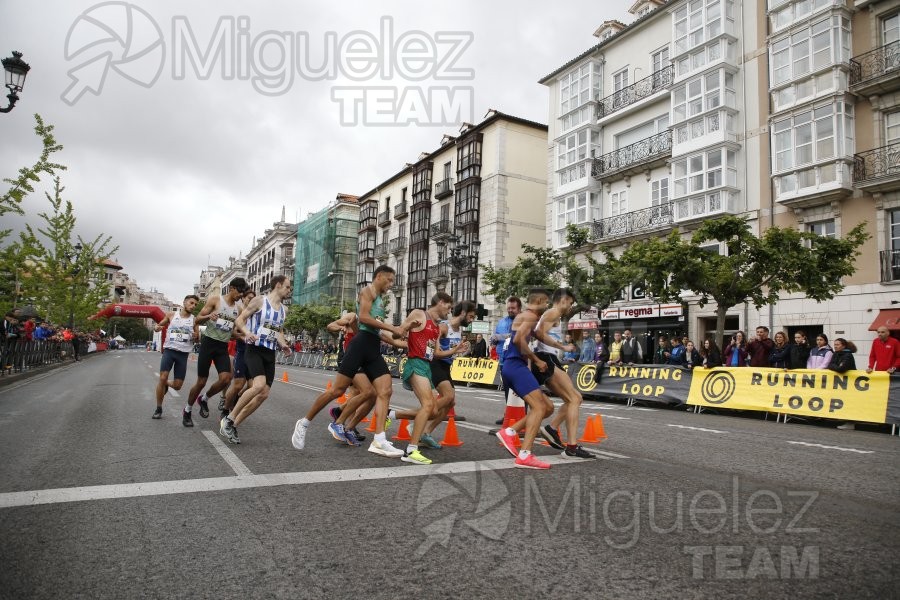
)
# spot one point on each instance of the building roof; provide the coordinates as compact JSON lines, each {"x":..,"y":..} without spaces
{"x":112,"y":264}
{"x":347,"y":198}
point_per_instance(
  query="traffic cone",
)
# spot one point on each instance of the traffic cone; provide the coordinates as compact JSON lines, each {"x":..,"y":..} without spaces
{"x":371,"y":427}
{"x":342,"y":399}
{"x":598,"y":428}
{"x":402,"y":431}
{"x":284,"y":377}
{"x":589,"y":436}
{"x":451,"y":437}
{"x":515,"y":409}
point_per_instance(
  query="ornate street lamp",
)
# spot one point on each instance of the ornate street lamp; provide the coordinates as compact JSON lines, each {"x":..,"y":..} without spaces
{"x":16,"y":70}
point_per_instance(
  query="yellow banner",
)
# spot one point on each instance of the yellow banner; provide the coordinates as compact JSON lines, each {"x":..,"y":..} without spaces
{"x":851,"y":396}
{"x":476,"y":370}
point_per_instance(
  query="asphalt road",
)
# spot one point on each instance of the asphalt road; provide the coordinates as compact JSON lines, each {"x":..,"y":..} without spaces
{"x":98,"y":500}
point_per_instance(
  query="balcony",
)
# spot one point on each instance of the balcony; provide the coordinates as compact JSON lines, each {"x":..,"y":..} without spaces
{"x":397,"y":245}
{"x":890,"y":265}
{"x":418,"y":277}
{"x":381,"y":251}
{"x":418,"y":237}
{"x":384,"y":218}
{"x":443,"y":188}
{"x":465,"y":218}
{"x":401,"y":210}
{"x":469,"y":160}
{"x":719,"y":202}
{"x":368,"y":221}
{"x":877,"y":170}
{"x":653,"y":83}
{"x":640,"y":156}
{"x":441,"y":230}
{"x":876,"y":72}
{"x":439,"y":273}
{"x":397,"y":288}
{"x":634,"y":224}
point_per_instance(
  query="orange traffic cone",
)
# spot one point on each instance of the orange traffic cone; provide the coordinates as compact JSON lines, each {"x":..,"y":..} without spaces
{"x":588,"y":436}
{"x":451,"y":437}
{"x":598,"y":428}
{"x":284,"y":377}
{"x":402,"y":431}
{"x":342,"y":399}
{"x":371,"y":427}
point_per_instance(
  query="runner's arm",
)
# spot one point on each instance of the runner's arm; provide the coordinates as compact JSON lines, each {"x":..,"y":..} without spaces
{"x":365,"y":315}
{"x":209,"y":311}
{"x":387,"y":338}
{"x":460,"y":347}
{"x":541,"y":331}
{"x":521,"y":342}
{"x":239,"y":325}
{"x":166,"y":320}
{"x":345,"y":321}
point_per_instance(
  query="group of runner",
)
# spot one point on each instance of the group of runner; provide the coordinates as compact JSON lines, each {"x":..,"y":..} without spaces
{"x":431,"y":337}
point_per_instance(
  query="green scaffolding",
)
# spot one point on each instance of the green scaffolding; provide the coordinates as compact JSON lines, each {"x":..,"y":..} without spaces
{"x":325,"y":260}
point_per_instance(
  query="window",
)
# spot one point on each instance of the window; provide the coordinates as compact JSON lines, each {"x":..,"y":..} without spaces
{"x":705,"y":171}
{"x":660,"y":59}
{"x":642,"y":132}
{"x":891,"y":128}
{"x":891,"y":266}
{"x":618,"y":202}
{"x":702,"y":94}
{"x":578,"y":209}
{"x":824,"y":43}
{"x":823,"y":228}
{"x":573,"y":148}
{"x":890,"y":29}
{"x":795,"y":11}
{"x":447,"y":171}
{"x":659,"y":191}
{"x":895,"y":230}
{"x":699,"y":21}
{"x":575,"y":88}
{"x":620,"y":80}
{"x":809,"y":137}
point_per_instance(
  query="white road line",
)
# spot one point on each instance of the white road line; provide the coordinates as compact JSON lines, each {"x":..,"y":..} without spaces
{"x":242,"y":482}
{"x":841,"y":448}
{"x":614,"y":417}
{"x":695,"y":428}
{"x":230,"y":457}
{"x":490,"y":399}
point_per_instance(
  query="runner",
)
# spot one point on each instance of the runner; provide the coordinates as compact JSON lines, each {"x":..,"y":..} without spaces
{"x":260,"y":324}
{"x":239,"y":367}
{"x":220,"y":314}
{"x":517,"y":376}
{"x":360,"y":394}
{"x":548,"y":334}
{"x":363,"y":353}
{"x":417,"y":373}
{"x":179,"y":343}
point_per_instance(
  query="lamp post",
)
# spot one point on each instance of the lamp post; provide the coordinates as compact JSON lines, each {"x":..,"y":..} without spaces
{"x":16,"y":70}
{"x":460,"y":258}
{"x":72,"y":258}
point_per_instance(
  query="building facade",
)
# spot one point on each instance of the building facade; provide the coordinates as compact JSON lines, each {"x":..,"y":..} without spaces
{"x":475,"y":200}
{"x":272,"y":254}
{"x":237,"y":267}
{"x":210,"y":283}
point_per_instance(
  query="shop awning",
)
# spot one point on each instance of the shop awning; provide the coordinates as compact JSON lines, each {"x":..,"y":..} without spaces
{"x":887,"y":317}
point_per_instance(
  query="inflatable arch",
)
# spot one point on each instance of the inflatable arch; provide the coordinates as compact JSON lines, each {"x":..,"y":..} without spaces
{"x":138,"y":311}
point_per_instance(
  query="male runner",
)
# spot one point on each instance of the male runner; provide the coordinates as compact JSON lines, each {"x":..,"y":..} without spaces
{"x":239,"y":367}
{"x":260,"y":324}
{"x":178,"y":346}
{"x":364,"y":352}
{"x":555,"y":377}
{"x":360,"y":393}
{"x":502,"y":333}
{"x":219,"y":314}
{"x":517,"y":376}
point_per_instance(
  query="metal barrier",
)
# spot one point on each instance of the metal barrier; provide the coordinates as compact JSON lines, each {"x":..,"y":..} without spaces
{"x":310,"y":360}
{"x":17,"y":356}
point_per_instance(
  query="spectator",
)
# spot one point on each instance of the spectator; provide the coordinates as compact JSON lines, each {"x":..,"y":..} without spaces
{"x":631,"y":349}
{"x":760,"y":348}
{"x":28,"y":329}
{"x":710,"y":354}
{"x":494,"y":350}
{"x":615,"y":349}
{"x":842,"y":361}
{"x":820,"y":356}
{"x":885,"y":352}
{"x":736,"y":353}
{"x":798,"y":353}
{"x":675,"y":355}
{"x":479,"y":350}
{"x":601,"y":357}
{"x":571,"y":356}
{"x":780,"y":355}
{"x":661,"y":355}
{"x":504,"y":326}
{"x":588,"y":350}
{"x":691,"y":356}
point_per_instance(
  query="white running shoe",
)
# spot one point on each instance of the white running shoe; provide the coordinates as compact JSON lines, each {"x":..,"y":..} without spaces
{"x":299,"y":437}
{"x":385,"y":448}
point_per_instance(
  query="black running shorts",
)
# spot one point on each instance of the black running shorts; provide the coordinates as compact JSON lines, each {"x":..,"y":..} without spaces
{"x":215,"y":352}
{"x":174,"y":358}
{"x":440,"y":372}
{"x":552,"y":363}
{"x":260,"y":361}
{"x":364,"y":354}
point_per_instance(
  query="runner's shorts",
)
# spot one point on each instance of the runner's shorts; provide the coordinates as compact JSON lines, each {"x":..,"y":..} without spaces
{"x":212,"y":351}
{"x":440,"y":372}
{"x":552,"y":364}
{"x":364,"y":354}
{"x":178,"y":359}
{"x":240,"y":365}
{"x":260,"y":361}
{"x":517,"y":376}
{"x":417,"y":366}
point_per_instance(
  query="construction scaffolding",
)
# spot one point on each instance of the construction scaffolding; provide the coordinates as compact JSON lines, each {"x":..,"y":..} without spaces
{"x":326,"y":255}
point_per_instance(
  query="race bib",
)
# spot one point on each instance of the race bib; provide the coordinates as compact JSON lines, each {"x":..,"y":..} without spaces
{"x":263,"y":334}
{"x":179,"y":337}
{"x":224,"y":324}
{"x":429,"y":352}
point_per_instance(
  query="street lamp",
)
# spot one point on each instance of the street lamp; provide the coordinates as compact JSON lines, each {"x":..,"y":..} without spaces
{"x":72,"y":258}
{"x":16,"y":70}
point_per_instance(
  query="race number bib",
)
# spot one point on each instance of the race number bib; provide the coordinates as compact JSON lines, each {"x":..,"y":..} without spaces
{"x":180,"y":337}
{"x":429,"y":352}
{"x":264,"y":334}
{"x":224,"y":324}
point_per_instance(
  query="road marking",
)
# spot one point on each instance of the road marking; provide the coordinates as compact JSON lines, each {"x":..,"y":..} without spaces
{"x":841,"y":448}
{"x":695,"y":428}
{"x":614,"y":417}
{"x":241,"y":482}
{"x":490,"y":399}
{"x":225,"y":452}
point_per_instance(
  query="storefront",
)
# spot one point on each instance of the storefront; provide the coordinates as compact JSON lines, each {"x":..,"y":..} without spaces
{"x":646,"y":321}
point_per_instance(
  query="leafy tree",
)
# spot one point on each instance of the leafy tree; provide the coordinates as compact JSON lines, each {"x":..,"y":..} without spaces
{"x":131,"y":329}
{"x":755,"y":269}
{"x":310,"y":318}
{"x":22,"y":185}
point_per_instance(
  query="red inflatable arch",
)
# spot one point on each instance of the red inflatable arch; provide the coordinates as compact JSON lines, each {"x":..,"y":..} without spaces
{"x":139,"y":311}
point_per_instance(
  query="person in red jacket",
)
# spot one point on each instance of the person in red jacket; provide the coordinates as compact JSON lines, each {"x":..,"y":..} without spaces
{"x":885,"y":353}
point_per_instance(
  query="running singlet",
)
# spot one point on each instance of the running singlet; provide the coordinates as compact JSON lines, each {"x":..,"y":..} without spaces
{"x":453,"y":338}
{"x":512,"y":351}
{"x":266,"y":324}
{"x":377,"y":312}
{"x":180,"y":335}
{"x":220,"y":329}
{"x":422,"y":343}
{"x":554,"y":332}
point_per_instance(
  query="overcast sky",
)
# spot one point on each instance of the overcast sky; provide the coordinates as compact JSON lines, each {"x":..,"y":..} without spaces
{"x":183,"y":158}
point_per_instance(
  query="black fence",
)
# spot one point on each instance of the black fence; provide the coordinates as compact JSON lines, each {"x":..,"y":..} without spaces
{"x":17,"y":356}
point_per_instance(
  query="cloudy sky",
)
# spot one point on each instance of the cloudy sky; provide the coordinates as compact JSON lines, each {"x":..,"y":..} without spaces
{"x":187,"y":126}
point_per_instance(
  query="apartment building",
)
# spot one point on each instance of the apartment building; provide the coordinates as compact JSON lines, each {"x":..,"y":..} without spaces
{"x":237,"y":267}
{"x":210,"y":283}
{"x":474,"y":200}
{"x":271,"y":254}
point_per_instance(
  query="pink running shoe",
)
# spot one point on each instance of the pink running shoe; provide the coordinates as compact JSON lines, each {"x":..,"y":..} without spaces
{"x":508,"y":441}
{"x":531,"y":462}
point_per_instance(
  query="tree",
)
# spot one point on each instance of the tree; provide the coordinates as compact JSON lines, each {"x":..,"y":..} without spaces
{"x":755,"y":269}
{"x":310,"y":318}
{"x":21,"y":186}
{"x":131,"y":329}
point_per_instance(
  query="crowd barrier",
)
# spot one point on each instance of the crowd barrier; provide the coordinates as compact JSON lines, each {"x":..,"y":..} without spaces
{"x":20,"y":355}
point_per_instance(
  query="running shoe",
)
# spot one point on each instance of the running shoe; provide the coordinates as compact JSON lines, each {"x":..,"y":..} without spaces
{"x":508,"y":441}
{"x":385,"y":448}
{"x":531,"y":462}
{"x":552,"y":437}
{"x":335,"y":412}
{"x":226,"y":426}
{"x":577,"y":452}
{"x":222,"y":404}
{"x":186,"y":419}
{"x":416,"y":457}
{"x":337,"y":432}
{"x":359,"y":436}
{"x":351,"y":437}
{"x":204,"y":408}
{"x":428,"y":441}
{"x":299,"y":438}
{"x":387,"y":423}
{"x":157,"y":414}
{"x":224,"y":414}
{"x":233,"y":438}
